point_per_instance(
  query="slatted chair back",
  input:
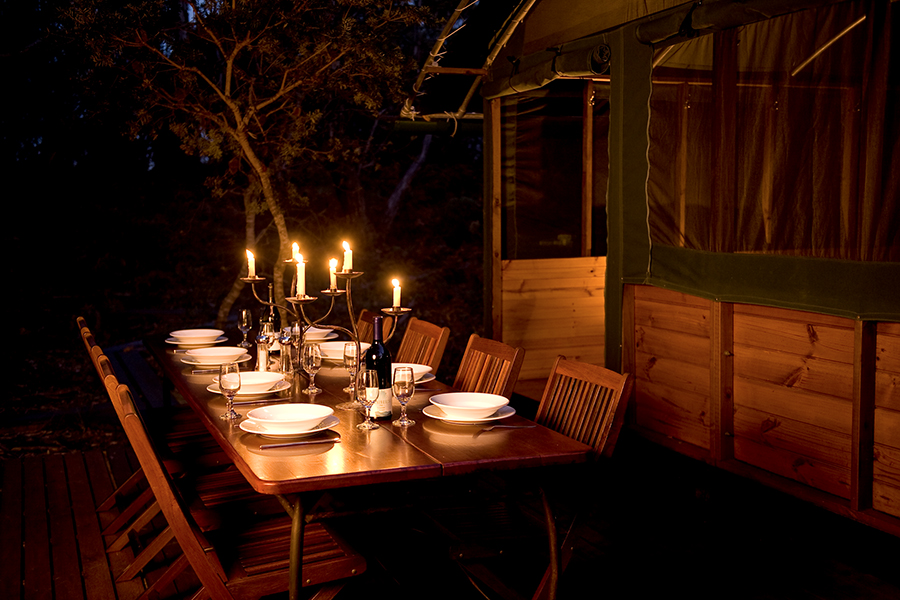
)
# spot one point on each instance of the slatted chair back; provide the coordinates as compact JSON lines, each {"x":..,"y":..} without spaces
{"x":489,"y":366}
{"x":257,"y":562}
{"x":365,"y":325}
{"x":423,"y":344}
{"x":585,"y":402}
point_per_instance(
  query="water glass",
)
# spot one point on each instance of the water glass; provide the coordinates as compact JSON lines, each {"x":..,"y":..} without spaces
{"x":245,"y":324}
{"x":229,"y":385}
{"x":404,"y":386}
{"x":351,"y":360}
{"x":367,"y":393}
{"x":311,"y":362}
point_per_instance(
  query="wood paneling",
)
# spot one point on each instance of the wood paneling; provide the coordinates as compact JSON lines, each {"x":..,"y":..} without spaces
{"x":552,"y":307}
{"x":799,"y":383}
{"x":671,"y":364}
{"x":886,"y":467}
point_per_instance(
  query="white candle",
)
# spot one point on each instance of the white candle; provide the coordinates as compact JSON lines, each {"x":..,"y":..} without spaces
{"x":301,"y":276}
{"x":396,"y":283}
{"x":295,"y":252}
{"x":251,"y":265}
{"x":348,"y":257}
{"x":332,"y":269}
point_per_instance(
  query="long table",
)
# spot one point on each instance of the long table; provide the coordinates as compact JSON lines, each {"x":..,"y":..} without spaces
{"x":430,"y":449}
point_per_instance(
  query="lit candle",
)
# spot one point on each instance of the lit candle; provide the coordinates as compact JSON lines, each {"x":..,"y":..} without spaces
{"x":301,"y":276}
{"x":396,"y":283}
{"x":348,"y":257}
{"x":251,"y":265}
{"x":295,"y":252}
{"x":332,"y":269}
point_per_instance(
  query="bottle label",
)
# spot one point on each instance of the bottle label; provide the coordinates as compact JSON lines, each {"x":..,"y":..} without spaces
{"x":382,"y":407}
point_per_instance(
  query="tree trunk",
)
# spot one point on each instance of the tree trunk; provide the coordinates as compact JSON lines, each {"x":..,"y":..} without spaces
{"x":238,"y":285}
{"x":393,"y":205}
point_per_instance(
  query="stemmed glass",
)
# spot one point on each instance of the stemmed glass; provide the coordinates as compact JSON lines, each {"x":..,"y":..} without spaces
{"x":311,"y":361}
{"x":367,"y":393}
{"x":350,"y":362}
{"x":287,"y":349}
{"x":229,"y":384}
{"x":245,"y":324}
{"x":404,"y":387}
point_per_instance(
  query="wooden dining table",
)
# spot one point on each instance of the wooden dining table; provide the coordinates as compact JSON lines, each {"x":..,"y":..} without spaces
{"x":429,"y":450}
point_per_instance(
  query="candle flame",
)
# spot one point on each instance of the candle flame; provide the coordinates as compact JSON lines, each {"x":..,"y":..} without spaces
{"x":249,"y":255}
{"x":346,"y":247}
{"x":395,"y":282}
{"x":332,"y":263}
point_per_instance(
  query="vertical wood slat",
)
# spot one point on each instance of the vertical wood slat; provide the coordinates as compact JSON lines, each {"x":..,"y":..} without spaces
{"x":629,"y":341}
{"x":11,"y":504}
{"x":725,"y":127}
{"x":863,"y":427}
{"x":494,"y":180}
{"x":587,"y":169}
{"x":721,"y":381}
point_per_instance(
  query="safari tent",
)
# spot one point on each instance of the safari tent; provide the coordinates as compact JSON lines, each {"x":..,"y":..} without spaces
{"x":706,"y":195}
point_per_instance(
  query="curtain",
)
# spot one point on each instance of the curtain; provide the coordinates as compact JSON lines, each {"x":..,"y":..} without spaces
{"x":780,"y":137}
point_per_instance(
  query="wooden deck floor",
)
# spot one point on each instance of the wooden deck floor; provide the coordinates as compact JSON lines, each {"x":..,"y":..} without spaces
{"x":661,"y":525}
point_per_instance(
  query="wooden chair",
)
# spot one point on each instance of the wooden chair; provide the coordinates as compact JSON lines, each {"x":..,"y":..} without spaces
{"x":254,"y":562}
{"x":581,"y":400}
{"x":423,"y":344}
{"x":365,"y":327}
{"x":489,"y":366}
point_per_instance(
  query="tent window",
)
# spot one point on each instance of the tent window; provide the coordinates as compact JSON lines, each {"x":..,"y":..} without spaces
{"x":779,"y":137}
{"x":543,"y":172}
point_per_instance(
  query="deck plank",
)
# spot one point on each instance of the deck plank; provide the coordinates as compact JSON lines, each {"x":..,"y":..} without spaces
{"x":67,"y":584}
{"x":95,"y":568}
{"x":11,"y":523}
{"x":36,"y":573}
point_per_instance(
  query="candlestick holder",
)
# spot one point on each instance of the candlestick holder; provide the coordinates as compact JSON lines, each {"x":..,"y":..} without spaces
{"x":299,"y":304}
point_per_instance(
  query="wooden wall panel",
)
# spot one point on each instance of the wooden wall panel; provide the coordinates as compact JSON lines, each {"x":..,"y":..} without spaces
{"x":552,"y":307}
{"x":672,"y":364}
{"x":886,"y":488}
{"x":797,"y":401}
{"x":793,"y":395}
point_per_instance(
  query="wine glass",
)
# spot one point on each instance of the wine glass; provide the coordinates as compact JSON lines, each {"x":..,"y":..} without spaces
{"x":367,"y":393}
{"x":245,"y":324}
{"x":404,"y":387}
{"x":311,"y":361}
{"x":350,"y":362}
{"x":229,"y":384}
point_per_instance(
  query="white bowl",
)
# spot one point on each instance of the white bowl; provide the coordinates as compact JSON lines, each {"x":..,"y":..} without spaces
{"x":335,"y":350}
{"x":290,"y":417}
{"x":465,"y":406}
{"x":216,"y":356}
{"x":419,"y":371}
{"x":316,"y":333}
{"x":196,"y":336}
{"x":258,"y":381}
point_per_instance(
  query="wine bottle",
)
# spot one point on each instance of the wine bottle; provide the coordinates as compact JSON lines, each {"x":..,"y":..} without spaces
{"x":378,"y":359}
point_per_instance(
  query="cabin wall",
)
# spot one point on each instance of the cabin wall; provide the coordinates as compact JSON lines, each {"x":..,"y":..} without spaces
{"x":771,"y":393}
{"x":551,"y":307}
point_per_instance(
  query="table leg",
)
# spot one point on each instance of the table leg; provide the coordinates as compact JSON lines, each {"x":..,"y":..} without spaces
{"x":294,"y":507}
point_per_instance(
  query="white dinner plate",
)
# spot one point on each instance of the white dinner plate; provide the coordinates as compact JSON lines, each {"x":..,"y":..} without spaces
{"x":335,"y":350}
{"x":254,"y":427}
{"x":436,"y":413}
{"x":188,"y":360}
{"x":425,"y":378}
{"x":174,"y":341}
{"x":281,"y":385}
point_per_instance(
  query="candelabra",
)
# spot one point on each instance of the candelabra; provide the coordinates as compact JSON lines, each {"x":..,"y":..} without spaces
{"x":303,"y":322}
